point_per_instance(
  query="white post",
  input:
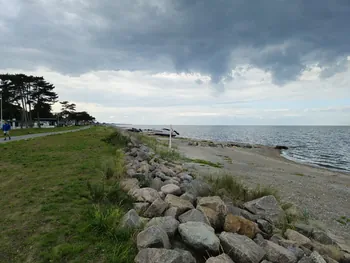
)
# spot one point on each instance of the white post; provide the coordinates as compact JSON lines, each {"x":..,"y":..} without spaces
{"x":171,"y":131}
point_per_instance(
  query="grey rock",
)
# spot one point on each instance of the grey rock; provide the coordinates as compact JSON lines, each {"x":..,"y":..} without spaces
{"x":181,"y":204}
{"x":172,"y":181}
{"x":214,"y":203}
{"x":171,"y":189}
{"x":322,"y":237}
{"x":198,"y":188}
{"x":266,"y":261}
{"x":250,"y":216}
{"x":306,"y":251}
{"x":141,"y":207}
{"x":199,"y":236}
{"x":223,"y":258}
{"x":300,"y":239}
{"x":157,"y":255}
{"x":130,"y":172}
{"x":317,"y":258}
{"x":241,"y":248}
{"x":259,"y":239}
{"x":162,"y":195}
{"x":166,"y":170}
{"x":129,"y":184}
{"x":144,"y":168}
{"x":153,"y":237}
{"x":193,"y":215}
{"x":145,"y":195}
{"x":157,"y":208}
{"x":305,"y":259}
{"x":304,"y":229}
{"x":265,"y":226}
{"x":173,"y":212}
{"x":329,"y":259}
{"x":185,"y":177}
{"x":268,"y":208}
{"x":276,"y":253}
{"x":156,"y":184}
{"x":186,"y":256}
{"x":234,"y":210}
{"x":161,"y":175}
{"x":188,"y":197}
{"x":168,"y":223}
{"x":131,"y":220}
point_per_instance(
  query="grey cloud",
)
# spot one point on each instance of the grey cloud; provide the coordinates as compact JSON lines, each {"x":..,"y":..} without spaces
{"x":282,"y":36}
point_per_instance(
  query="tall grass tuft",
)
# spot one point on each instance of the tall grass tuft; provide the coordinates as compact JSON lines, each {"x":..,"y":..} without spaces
{"x":234,"y":189}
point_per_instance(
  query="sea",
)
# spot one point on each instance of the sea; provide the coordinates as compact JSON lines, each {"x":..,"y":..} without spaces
{"x":323,"y":146}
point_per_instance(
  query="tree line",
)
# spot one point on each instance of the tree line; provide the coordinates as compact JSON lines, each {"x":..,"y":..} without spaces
{"x":29,"y":98}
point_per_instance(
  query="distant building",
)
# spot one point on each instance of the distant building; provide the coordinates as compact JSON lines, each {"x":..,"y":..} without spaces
{"x":45,"y":123}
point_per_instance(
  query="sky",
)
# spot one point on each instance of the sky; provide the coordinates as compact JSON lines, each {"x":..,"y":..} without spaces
{"x":192,"y":62}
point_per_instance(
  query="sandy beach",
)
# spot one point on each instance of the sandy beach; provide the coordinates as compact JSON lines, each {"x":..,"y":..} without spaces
{"x":321,"y":193}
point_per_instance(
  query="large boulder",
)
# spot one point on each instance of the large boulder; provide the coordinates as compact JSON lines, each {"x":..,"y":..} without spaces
{"x":298,"y":238}
{"x":145,"y":195}
{"x":199,"y":236}
{"x":223,"y":258}
{"x":304,"y":229}
{"x":215,"y":204}
{"x":188,"y":197}
{"x":240,"y":225}
{"x":129,"y":184}
{"x":265,"y":226}
{"x":305,"y":259}
{"x":131,"y":220}
{"x":277,"y":254}
{"x":322,"y":237}
{"x":173,"y":212}
{"x":158,"y":255}
{"x":194,"y":215}
{"x":268,"y":208}
{"x":144,"y":168}
{"x":156,"y":184}
{"x":168,"y":224}
{"x":186,"y":256}
{"x":241,"y":248}
{"x":181,"y":204}
{"x":171,"y":189}
{"x":198,"y":188}
{"x":166,"y":170}
{"x":212,"y":216}
{"x":317,"y":258}
{"x":161,"y":175}
{"x":141,"y":207}
{"x":153,"y":237}
{"x":157,"y":208}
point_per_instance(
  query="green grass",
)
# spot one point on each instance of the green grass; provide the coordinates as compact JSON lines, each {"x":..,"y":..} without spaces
{"x":57,"y":203}
{"x":227,"y":185}
{"x":343,"y":220}
{"x":300,"y":174}
{"x":209,"y":163}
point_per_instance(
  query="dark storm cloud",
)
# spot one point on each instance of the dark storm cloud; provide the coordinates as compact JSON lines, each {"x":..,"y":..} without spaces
{"x":211,"y":37}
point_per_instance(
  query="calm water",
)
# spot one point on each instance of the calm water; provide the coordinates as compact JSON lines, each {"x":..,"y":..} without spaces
{"x":324,"y":146}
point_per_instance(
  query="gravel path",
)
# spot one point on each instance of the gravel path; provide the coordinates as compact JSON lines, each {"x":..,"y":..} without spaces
{"x":31,"y":136}
{"x":322,"y":193}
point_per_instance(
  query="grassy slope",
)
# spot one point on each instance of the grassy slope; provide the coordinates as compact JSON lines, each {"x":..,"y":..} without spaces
{"x":44,"y":216}
{"x":18,"y":132}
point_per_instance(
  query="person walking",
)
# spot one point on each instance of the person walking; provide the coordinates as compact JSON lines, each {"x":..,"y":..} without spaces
{"x":6,"y":127}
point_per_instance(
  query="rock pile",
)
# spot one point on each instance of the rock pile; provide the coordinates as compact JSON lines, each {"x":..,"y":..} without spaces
{"x":183,"y":223}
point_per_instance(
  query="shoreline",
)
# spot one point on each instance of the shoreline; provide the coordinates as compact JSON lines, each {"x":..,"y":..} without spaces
{"x":272,"y":151}
{"x":322,"y":193}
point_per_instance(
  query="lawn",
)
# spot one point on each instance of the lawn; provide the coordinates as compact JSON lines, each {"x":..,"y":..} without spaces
{"x":46,"y":212}
{"x":18,"y":132}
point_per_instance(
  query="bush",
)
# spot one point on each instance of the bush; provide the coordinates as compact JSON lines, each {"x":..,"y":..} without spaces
{"x":117,"y":139}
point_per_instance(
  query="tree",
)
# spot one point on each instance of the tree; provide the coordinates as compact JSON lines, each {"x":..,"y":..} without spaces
{"x":81,"y":116}
{"x":67,"y":110}
{"x":43,"y":97}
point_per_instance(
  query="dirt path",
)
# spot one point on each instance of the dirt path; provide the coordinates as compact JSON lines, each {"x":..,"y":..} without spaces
{"x":322,"y":193}
{"x":31,"y":136}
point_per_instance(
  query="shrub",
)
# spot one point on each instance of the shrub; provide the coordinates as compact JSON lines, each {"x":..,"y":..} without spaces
{"x":118,"y":139}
